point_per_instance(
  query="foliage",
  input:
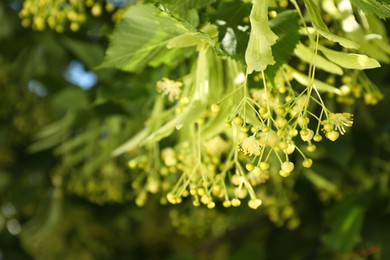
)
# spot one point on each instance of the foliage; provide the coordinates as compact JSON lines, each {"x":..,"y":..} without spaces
{"x":254,"y":118}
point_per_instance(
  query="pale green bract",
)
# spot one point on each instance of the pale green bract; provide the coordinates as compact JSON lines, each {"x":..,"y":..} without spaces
{"x":258,"y":54}
{"x":305,"y":54}
{"x":350,"y":60}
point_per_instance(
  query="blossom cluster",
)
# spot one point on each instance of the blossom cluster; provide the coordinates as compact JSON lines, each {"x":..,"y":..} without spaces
{"x":56,"y":15}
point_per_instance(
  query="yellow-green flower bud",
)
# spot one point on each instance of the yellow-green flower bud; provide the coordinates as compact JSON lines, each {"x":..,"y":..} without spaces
{"x":236,"y":202}
{"x":254,"y":203}
{"x":332,"y":135}
{"x":307,"y":163}
{"x":227,"y":203}
{"x":287,"y":167}
{"x":238,"y":121}
{"x":264,"y":166}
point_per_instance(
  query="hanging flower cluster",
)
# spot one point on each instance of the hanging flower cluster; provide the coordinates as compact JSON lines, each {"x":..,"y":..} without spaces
{"x":237,"y":127}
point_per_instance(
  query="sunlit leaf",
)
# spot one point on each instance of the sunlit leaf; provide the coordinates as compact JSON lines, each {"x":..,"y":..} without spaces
{"x":182,"y":5}
{"x":184,"y":40}
{"x":187,"y":9}
{"x":143,"y":35}
{"x":378,"y":8}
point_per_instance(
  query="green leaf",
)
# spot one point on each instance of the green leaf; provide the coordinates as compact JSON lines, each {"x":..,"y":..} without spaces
{"x":321,"y":27}
{"x":372,"y":38}
{"x":184,"y":40}
{"x":378,"y":48}
{"x":250,"y":251}
{"x":305,"y":54}
{"x":70,"y":99}
{"x":320,"y":182}
{"x":344,"y":221}
{"x":142,"y":36}
{"x":285,"y":26}
{"x":183,"y":5}
{"x":187,"y":9}
{"x":345,"y":228}
{"x":233,"y":31}
{"x":258,"y":54}
{"x":91,"y":54}
{"x":7,"y":26}
{"x":350,"y":60}
{"x":382,"y":10}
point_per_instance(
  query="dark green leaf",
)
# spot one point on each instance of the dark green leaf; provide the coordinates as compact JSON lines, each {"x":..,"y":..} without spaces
{"x":6,"y":24}
{"x":89,"y":53}
{"x":345,"y":220}
{"x":320,"y":182}
{"x":286,"y":27}
{"x":250,"y":251}
{"x":70,"y":98}
{"x":233,"y":31}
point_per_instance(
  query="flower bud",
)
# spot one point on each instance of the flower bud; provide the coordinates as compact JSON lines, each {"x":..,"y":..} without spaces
{"x":238,"y":121}
{"x":254,"y":203}
{"x":307,"y":163}
{"x":287,"y":167}
{"x":284,"y":174}
{"x":311,"y":148}
{"x":332,"y":135}
{"x":264,"y":166}
{"x":227,"y":203}
{"x":317,"y":138}
{"x":236,"y":202}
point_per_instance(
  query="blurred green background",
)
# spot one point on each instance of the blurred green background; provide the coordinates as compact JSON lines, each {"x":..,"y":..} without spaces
{"x":76,"y":202}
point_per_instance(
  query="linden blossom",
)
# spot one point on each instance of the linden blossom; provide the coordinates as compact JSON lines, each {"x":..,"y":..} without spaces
{"x":169,"y":88}
{"x":250,"y":146}
{"x":339,"y":120}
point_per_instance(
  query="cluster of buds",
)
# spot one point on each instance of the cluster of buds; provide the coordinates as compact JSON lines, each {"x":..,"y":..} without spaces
{"x":57,"y":15}
{"x":260,"y":135}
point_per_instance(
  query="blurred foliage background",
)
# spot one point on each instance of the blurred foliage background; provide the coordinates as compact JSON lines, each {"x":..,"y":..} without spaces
{"x":72,"y":200}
